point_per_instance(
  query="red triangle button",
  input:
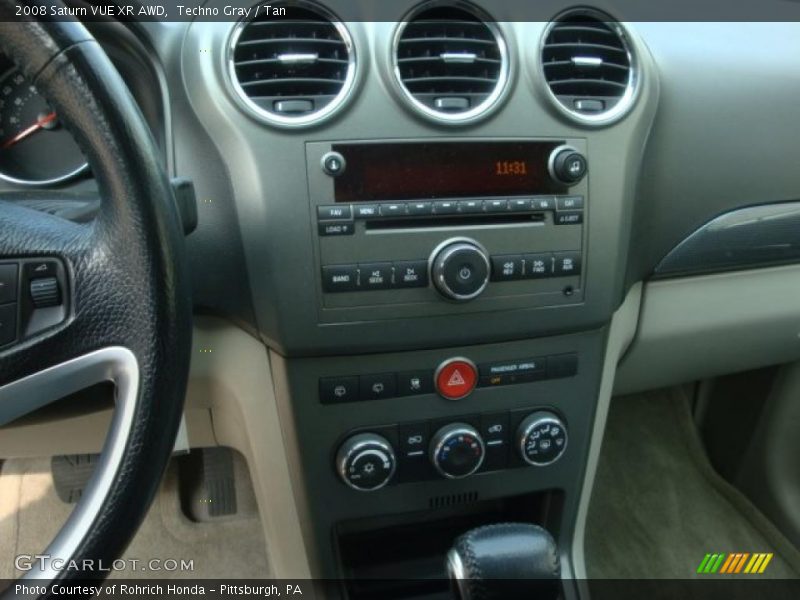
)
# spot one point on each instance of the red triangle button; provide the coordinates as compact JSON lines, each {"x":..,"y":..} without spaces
{"x":456,"y":378}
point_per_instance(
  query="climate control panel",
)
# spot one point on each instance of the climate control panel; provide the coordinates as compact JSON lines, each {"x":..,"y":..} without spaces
{"x":454,"y":449}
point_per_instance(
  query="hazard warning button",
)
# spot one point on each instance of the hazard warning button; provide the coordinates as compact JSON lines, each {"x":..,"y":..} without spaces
{"x":456,"y":378}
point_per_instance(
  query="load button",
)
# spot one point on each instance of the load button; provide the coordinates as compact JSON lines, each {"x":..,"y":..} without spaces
{"x":456,"y":378}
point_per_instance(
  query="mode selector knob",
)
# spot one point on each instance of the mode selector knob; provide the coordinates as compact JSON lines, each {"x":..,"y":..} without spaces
{"x":366,"y":462}
{"x":460,"y":269}
{"x":457,"y":450}
{"x":567,"y":165}
{"x":541,"y":439}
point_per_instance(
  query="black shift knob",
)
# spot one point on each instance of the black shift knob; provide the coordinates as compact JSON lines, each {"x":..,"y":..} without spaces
{"x":505,"y":561}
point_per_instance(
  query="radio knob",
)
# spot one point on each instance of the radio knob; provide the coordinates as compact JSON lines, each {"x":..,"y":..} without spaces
{"x":541,"y":439}
{"x":366,"y":462}
{"x":567,"y":165}
{"x":457,"y":450}
{"x":460,"y":270}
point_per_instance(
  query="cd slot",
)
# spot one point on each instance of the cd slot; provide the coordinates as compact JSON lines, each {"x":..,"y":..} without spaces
{"x":453,"y":220}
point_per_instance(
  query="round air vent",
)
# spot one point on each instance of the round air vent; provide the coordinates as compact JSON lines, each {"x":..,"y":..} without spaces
{"x":589,"y":67}
{"x":450,"y":62}
{"x":292,"y":70}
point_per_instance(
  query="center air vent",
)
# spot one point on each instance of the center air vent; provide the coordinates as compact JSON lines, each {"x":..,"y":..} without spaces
{"x":451,"y":63}
{"x":589,"y":67}
{"x":295,"y":69}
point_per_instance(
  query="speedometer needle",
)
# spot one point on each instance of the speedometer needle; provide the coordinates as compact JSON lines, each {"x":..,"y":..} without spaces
{"x":40,"y":123}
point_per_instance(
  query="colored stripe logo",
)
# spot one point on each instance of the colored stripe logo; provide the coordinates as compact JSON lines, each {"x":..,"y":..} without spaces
{"x":734,"y":563}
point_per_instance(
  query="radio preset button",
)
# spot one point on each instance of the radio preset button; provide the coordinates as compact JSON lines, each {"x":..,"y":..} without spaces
{"x":567,"y":263}
{"x":411,"y":274}
{"x":418,"y":209}
{"x":334,"y":212}
{"x":495,"y":206}
{"x":470,"y":206}
{"x":375,"y":276}
{"x":569,"y":217}
{"x":445,"y":207}
{"x":569,"y":202}
{"x":538,"y":266}
{"x":507,"y":268}
{"x":393,"y":209}
{"x":520,"y":204}
{"x":336,"y":228}
{"x":544,"y":203}
{"x":340,"y":278}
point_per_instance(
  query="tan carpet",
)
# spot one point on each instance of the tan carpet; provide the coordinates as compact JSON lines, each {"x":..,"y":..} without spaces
{"x":231,"y":547}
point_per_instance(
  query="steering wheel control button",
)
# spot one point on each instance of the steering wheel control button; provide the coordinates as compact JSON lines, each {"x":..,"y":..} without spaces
{"x":334,"y":390}
{"x":568,"y":166}
{"x":377,"y":387}
{"x":8,"y":324}
{"x":335,"y":212}
{"x":567,"y":263}
{"x":366,"y":462}
{"x":45,"y":292}
{"x":541,"y":439}
{"x":8,"y":283}
{"x":457,"y":450}
{"x":507,"y":268}
{"x":333,"y":164}
{"x":460,"y":270}
{"x":456,"y":378}
{"x":340,"y":278}
{"x":414,"y":383}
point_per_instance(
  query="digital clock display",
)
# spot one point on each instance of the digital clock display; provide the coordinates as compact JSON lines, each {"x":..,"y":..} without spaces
{"x":431,"y":170}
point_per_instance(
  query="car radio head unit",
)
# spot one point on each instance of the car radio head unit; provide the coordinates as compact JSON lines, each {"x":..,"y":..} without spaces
{"x":432,"y":170}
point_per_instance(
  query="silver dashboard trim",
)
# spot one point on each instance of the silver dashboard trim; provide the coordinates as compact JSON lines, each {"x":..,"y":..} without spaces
{"x":476,"y":113}
{"x":244,"y":101}
{"x":113,"y":364}
{"x":629,"y":96}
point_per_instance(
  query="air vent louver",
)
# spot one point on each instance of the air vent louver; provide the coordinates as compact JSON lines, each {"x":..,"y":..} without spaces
{"x":450,"y":63}
{"x":293,"y":70}
{"x":588,"y":66}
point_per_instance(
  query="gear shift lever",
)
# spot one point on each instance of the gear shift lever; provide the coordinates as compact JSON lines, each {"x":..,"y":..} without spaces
{"x":505,"y":561}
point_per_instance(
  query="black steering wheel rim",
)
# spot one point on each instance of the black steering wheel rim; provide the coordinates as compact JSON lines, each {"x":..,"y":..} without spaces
{"x":130,"y":308}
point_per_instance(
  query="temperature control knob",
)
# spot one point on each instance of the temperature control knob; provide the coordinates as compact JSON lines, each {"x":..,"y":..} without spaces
{"x":541,"y":439}
{"x":460,"y":269}
{"x":567,"y":165}
{"x":366,"y":462}
{"x":457,"y":450}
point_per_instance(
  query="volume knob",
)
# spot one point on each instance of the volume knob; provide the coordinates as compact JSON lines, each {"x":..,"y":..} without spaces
{"x":460,"y":269}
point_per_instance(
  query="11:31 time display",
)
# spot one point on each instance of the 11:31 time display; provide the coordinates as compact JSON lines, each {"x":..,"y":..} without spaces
{"x":505,"y":168}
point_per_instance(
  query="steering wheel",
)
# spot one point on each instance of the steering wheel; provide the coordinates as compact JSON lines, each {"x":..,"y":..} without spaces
{"x":125,"y":313}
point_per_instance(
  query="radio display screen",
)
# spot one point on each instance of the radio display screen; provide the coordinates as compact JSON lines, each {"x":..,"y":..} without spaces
{"x":430,"y":170}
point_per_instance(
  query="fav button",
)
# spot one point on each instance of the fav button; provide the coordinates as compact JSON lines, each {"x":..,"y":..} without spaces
{"x":456,"y":378}
{"x":335,"y":212}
